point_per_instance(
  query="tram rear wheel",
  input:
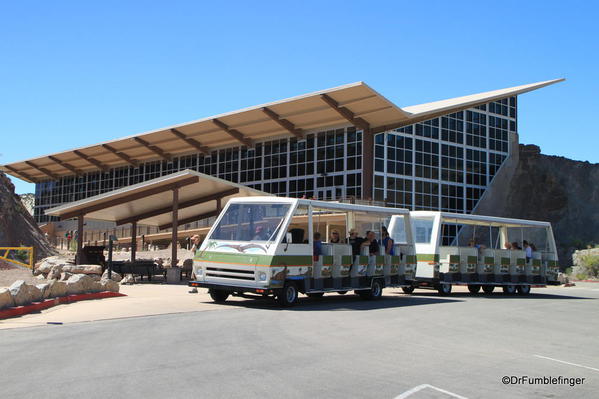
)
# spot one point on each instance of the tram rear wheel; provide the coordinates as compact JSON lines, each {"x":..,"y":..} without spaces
{"x":509,"y":289}
{"x":473,"y":288}
{"x":375,"y":291}
{"x":487,"y":289}
{"x":524,"y":289}
{"x":444,"y":289}
{"x":408,"y":290}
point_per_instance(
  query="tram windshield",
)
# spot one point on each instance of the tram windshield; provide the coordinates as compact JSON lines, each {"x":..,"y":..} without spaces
{"x":251,"y":222}
{"x":423,"y":229}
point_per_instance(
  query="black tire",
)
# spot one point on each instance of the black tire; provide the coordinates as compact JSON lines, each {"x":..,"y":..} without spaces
{"x":408,"y":290}
{"x":219,"y":296}
{"x":509,"y":289}
{"x":287,"y":297}
{"x":444,"y":289}
{"x":524,"y":289}
{"x":488,"y":289}
{"x":315,"y":294}
{"x":375,"y":291}
{"x":341,"y":292}
{"x":473,"y":288}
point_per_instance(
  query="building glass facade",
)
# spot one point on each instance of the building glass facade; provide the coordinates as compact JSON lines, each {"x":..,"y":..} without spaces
{"x":444,"y":163}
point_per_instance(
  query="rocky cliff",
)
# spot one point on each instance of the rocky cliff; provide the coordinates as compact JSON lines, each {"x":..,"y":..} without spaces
{"x":550,"y":188}
{"x":17,"y":226}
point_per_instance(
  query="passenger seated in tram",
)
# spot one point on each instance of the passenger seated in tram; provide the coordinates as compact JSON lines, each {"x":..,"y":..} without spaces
{"x":507,"y":245}
{"x":317,"y":245}
{"x":334,"y":237}
{"x":371,"y":243}
{"x":387,"y":242}
{"x":515,"y":246}
{"x":528,"y":251}
{"x":355,"y":242}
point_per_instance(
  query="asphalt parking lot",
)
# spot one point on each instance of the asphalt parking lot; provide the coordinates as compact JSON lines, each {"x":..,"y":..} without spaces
{"x":418,"y":346}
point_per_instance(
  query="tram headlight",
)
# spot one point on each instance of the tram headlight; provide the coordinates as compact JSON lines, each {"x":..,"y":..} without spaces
{"x":199,"y":272}
{"x":262,"y":276}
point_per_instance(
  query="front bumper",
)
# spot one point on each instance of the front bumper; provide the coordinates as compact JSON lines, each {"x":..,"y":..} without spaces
{"x":230,"y":288}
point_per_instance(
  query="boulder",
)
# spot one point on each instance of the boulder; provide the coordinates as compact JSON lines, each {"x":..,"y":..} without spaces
{"x":24,"y":294}
{"x":79,"y":284}
{"x":45,"y":265}
{"x":110,"y":285}
{"x":6,"y":300}
{"x":57,"y":289}
{"x":45,"y":289}
{"x":95,"y":277}
{"x":40,"y":277}
{"x":54,"y":273}
{"x":114,"y":276}
{"x":83,"y":269}
{"x":64,"y":276}
{"x":128,"y":279}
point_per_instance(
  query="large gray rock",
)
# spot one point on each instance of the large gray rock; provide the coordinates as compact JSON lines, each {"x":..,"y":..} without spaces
{"x":79,"y":284}
{"x":83,"y":269}
{"x":128,"y":279}
{"x":54,"y":273}
{"x":57,"y":289}
{"x":6,"y":300}
{"x":114,"y":276}
{"x":64,"y":276}
{"x":110,"y":285}
{"x":45,"y":265}
{"x":45,"y":289}
{"x":24,"y":294}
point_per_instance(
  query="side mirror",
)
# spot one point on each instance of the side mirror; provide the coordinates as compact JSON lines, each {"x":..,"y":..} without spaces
{"x":289,"y":238}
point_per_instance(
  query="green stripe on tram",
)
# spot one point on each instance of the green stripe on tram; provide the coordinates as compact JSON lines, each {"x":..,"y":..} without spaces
{"x":255,"y":259}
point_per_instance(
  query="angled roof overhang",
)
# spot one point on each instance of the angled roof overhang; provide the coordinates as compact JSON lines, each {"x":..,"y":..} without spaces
{"x":150,"y":203}
{"x":357,"y":104}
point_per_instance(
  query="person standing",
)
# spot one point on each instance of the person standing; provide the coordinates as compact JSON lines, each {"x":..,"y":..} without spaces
{"x":195,"y":247}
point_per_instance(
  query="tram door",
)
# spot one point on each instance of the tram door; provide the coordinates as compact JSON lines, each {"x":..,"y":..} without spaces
{"x":330,"y":193}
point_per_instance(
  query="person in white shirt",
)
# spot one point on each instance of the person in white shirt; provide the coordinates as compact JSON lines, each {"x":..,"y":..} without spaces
{"x":528,"y":250}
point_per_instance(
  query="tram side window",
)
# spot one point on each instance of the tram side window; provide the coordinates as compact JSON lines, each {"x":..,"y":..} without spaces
{"x":398,"y":234}
{"x":423,"y":230}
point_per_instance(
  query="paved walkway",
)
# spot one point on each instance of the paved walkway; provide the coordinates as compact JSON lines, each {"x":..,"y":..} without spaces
{"x":141,"y":300}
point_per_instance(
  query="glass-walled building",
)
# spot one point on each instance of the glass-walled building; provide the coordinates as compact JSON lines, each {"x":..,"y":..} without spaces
{"x":443,"y":162}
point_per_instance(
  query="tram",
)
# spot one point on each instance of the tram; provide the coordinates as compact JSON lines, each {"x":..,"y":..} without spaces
{"x":270,"y":246}
{"x":481,"y":252}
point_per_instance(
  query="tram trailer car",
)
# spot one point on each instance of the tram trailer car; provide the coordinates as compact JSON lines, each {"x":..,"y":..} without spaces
{"x":481,"y":252}
{"x":265,"y":246}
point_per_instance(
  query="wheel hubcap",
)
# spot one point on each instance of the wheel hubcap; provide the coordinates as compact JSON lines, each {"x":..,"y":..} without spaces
{"x":290,"y":294}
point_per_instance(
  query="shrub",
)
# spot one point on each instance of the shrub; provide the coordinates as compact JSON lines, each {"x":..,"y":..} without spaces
{"x":590,"y":265}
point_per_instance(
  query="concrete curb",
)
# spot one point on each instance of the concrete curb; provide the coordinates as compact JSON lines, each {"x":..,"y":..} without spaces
{"x":48,"y":303}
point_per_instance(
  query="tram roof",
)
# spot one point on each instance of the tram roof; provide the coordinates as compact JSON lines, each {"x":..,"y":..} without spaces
{"x":482,"y":220}
{"x":329,"y":205}
{"x":355,"y":104}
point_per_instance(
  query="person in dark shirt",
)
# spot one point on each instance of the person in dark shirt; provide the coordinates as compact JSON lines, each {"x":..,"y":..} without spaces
{"x":355,"y":242}
{"x":371,"y":243}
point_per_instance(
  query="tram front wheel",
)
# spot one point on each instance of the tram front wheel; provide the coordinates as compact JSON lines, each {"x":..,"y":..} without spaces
{"x":219,"y":296}
{"x":288,"y":295}
{"x":408,"y":290}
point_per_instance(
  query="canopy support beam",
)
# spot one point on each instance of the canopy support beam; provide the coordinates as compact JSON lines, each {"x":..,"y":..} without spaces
{"x":79,"y":253}
{"x":91,"y":160}
{"x":192,"y":142}
{"x":66,"y":165}
{"x":43,"y":170}
{"x":133,"y":241}
{"x":17,"y":172}
{"x":345,"y":113}
{"x":156,"y":150}
{"x":121,"y":155}
{"x":284,"y":123}
{"x":175,"y":226}
{"x":236,"y":134}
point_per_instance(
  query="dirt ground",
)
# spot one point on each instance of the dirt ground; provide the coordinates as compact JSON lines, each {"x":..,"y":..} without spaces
{"x":10,"y":273}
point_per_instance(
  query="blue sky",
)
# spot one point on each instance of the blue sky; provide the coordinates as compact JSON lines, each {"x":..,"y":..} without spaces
{"x":77,"y":73}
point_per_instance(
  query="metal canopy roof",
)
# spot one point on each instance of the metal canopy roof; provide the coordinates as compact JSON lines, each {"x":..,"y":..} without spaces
{"x":357,"y":104}
{"x":481,"y":220}
{"x":151,"y":202}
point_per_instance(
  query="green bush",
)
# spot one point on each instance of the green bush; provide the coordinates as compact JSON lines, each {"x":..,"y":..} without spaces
{"x":590,"y":265}
{"x":581,"y":276}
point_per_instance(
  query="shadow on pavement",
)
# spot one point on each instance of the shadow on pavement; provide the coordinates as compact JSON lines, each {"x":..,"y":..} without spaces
{"x":340,"y":302}
{"x":500,"y":295}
